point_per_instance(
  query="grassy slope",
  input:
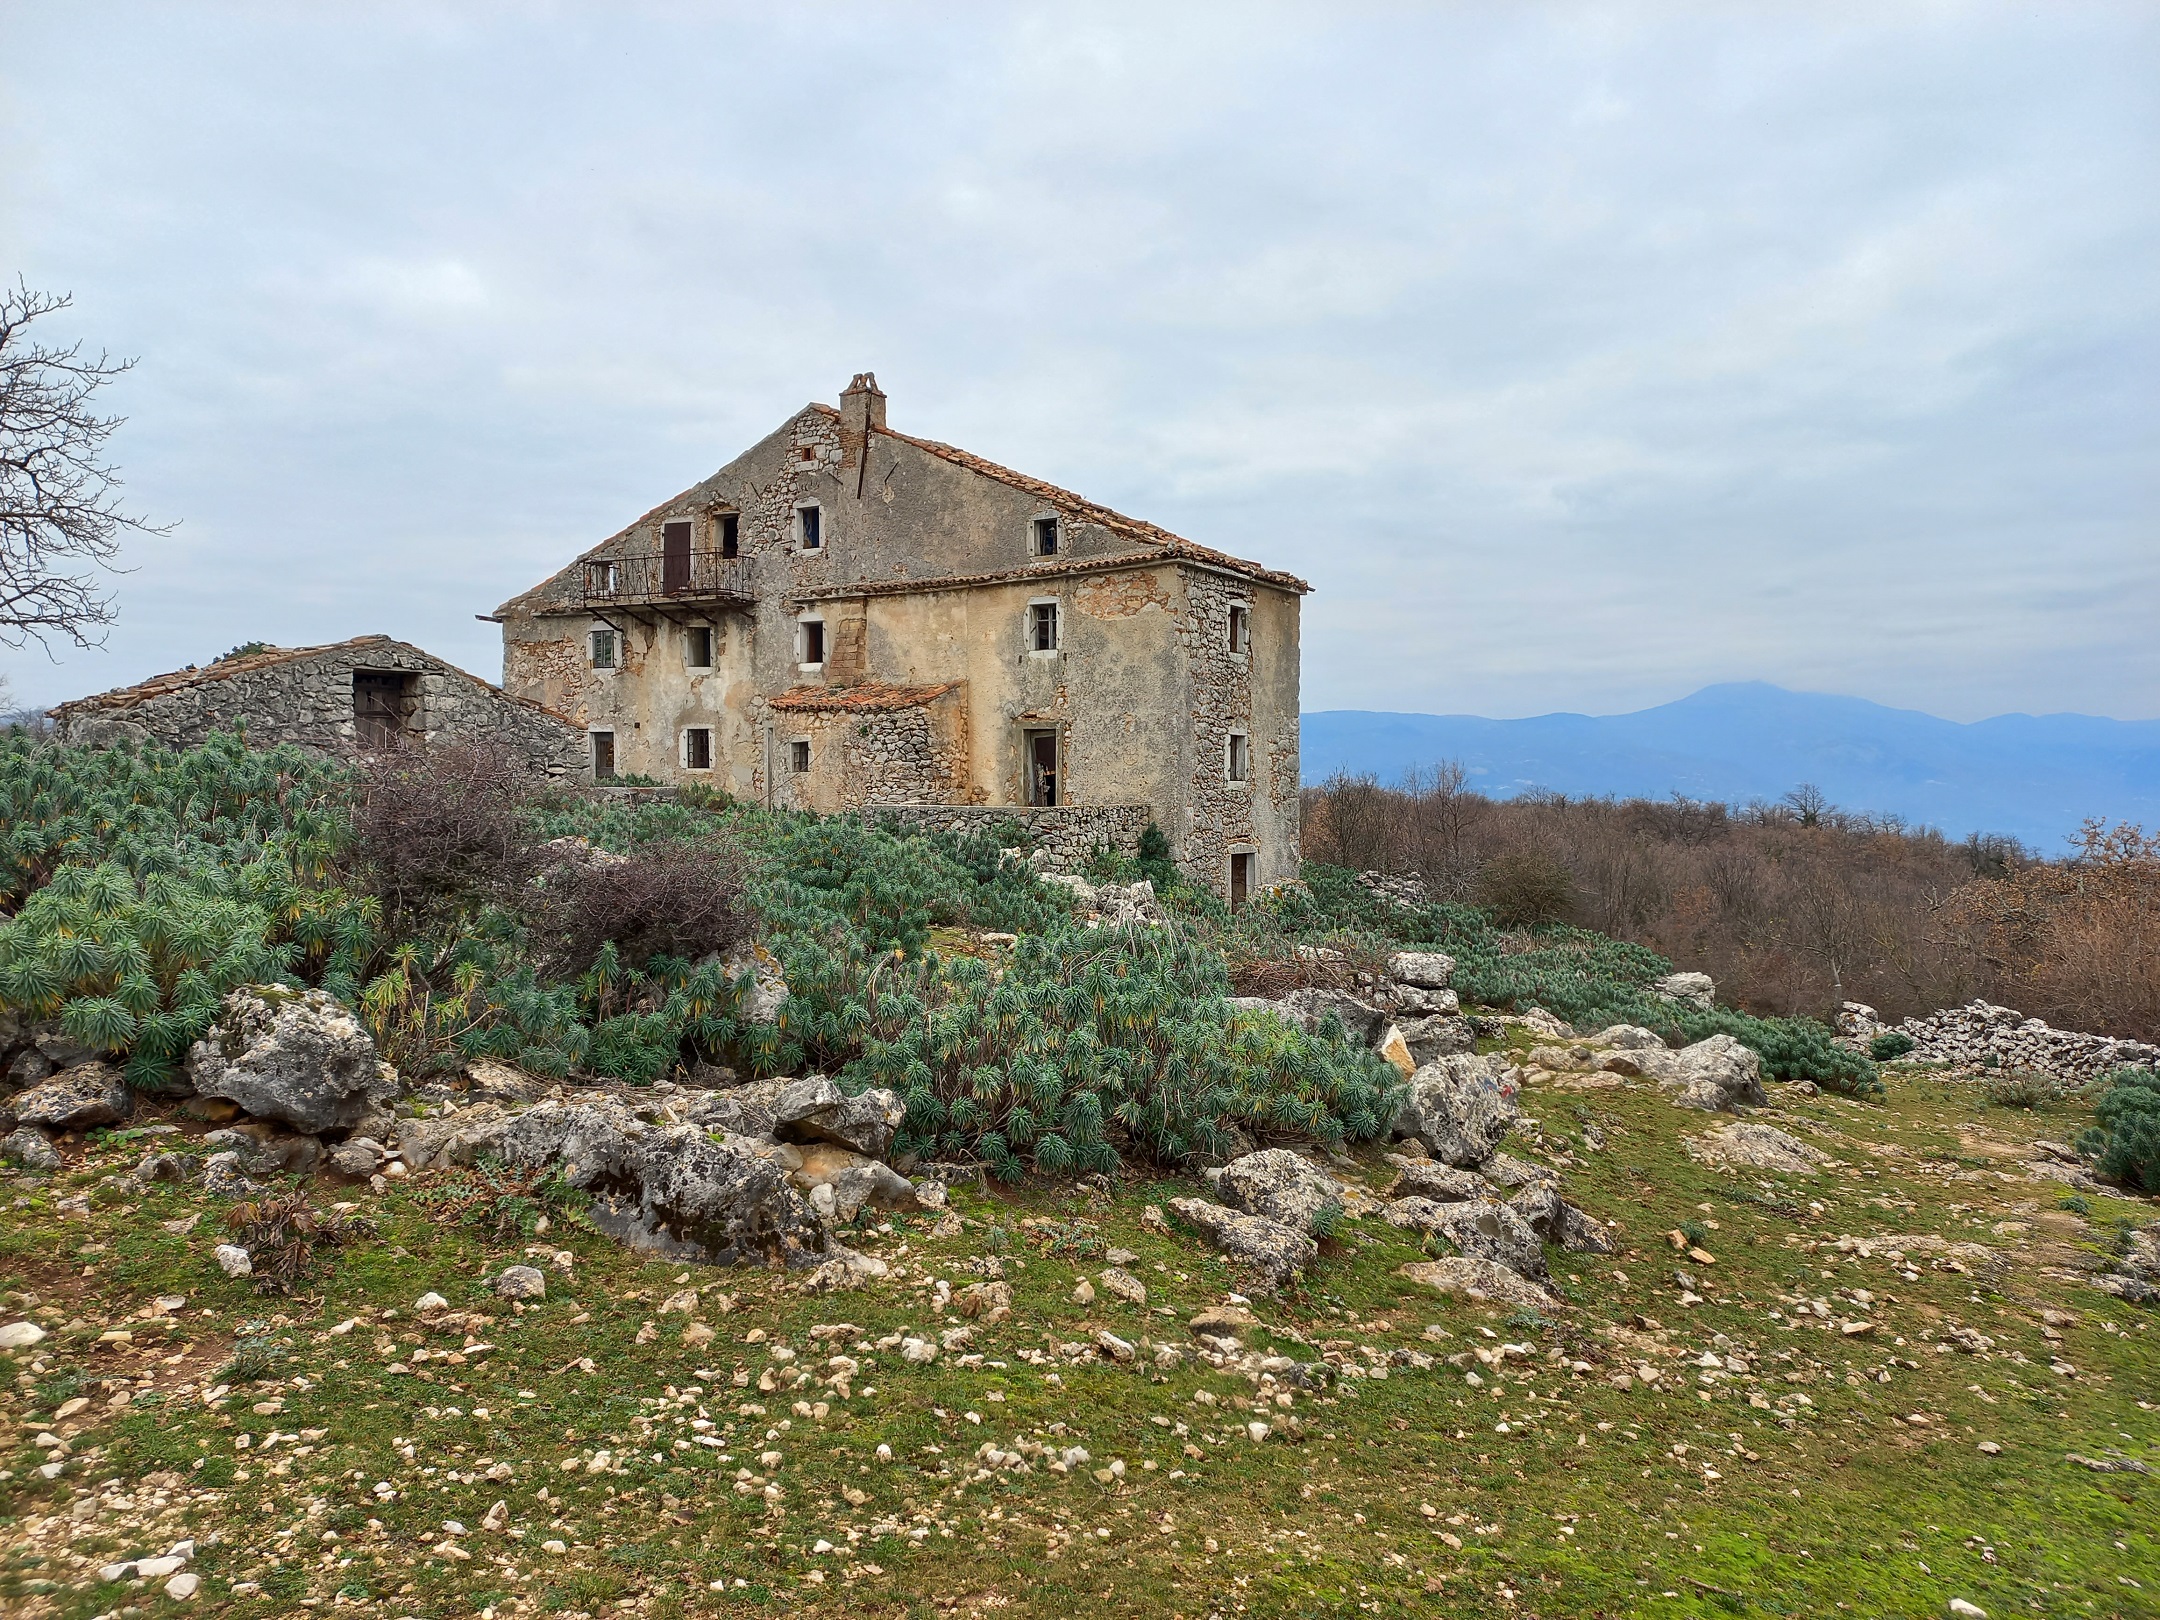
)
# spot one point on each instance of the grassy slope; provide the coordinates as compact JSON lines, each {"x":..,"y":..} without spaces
{"x":1685,"y":1500}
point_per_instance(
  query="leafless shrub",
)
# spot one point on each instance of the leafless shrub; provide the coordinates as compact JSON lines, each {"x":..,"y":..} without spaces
{"x":682,"y":898}
{"x":439,"y":826}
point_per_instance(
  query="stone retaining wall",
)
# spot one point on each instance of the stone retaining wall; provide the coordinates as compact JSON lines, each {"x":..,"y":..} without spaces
{"x":1983,"y":1035}
{"x":1067,"y":833}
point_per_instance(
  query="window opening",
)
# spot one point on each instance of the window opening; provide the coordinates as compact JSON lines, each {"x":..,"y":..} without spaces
{"x":603,"y":649}
{"x":697,"y":646}
{"x":798,"y":757}
{"x":1243,"y":875}
{"x":675,"y":556}
{"x":603,"y":755}
{"x":697,"y":748}
{"x":813,"y":641}
{"x":1046,"y":537}
{"x":1240,"y":630}
{"x":1042,"y":767}
{"x":730,"y":534}
{"x":809,"y":529}
{"x":382,"y":706}
{"x":1240,"y":760}
{"x":1043,"y":626}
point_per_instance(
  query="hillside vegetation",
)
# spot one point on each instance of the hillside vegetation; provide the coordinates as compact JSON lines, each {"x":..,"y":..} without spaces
{"x":1792,"y":907}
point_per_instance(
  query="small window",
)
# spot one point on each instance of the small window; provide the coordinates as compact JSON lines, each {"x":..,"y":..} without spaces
{"x":1042,"y":627}
{"x":813,"y":641}
{"x":697,"y":749}
{"x":809,"y":528}
{"x":1241,"y":629}
{"x":603,"y":755}
{"x":1046,"y":537}
{"x":697,"y":646}
{"x":603,"y":649}
{"x":730,"y":534}
{"x":1042,"y":767}
{"x":798,"y":757}
{"x":1240,"y":758}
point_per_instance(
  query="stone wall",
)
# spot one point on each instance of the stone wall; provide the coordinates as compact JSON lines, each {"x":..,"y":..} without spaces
{"x":1066,"y":834}
{"x":1983,"y":1035}
{"x":305,"y":696}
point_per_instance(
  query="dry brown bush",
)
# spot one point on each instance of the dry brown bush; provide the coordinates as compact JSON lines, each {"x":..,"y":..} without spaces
{"x":1795,"y":906}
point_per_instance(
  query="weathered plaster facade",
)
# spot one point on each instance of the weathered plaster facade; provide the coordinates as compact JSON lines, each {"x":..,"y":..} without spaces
{"x":349,"y":697}
{"x":887,"y":621}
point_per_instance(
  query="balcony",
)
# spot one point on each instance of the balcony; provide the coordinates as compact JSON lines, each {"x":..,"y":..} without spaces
{"x":659,"y":578}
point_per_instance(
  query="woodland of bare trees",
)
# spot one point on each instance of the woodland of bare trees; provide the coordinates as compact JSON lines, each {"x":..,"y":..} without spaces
{"x":1794,"y":906}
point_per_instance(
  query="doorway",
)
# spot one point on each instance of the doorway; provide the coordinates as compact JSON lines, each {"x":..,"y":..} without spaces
{"x":382,"y":706}
{"x":1042,"y":767}
{"x":1243,"y":875}
{"x":675,"y":557}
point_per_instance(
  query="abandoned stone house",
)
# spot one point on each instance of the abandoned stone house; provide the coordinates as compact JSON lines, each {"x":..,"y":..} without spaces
{"x":845,"y":617}
{"x":354,"y":696}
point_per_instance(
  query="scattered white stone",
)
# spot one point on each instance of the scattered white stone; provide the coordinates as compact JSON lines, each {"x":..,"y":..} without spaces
{"x":1967,"y":1611}
{"x":234,"y":1261}
{"x":20,"y":1335}
{"x":522,"y":1282}
{"x":431,"y":1302}
{"x":183,"y":1586}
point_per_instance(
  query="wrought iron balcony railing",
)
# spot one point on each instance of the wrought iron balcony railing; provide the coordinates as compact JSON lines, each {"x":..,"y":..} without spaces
{"x":659,"y":577}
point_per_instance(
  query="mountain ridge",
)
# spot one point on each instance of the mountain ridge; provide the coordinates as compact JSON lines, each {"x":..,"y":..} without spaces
{"x":2033,"y":777}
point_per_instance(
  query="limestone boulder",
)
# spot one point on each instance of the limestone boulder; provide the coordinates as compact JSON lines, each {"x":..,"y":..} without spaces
{"x":77,"y":1099}
{"x":1438,"y":1035}
{"x":1717,"y":1074}
{"x":816,"y":1110}
{"x":1280,"y":1185}
{"x":744,"y":1110}
{"x":1483,"y":1229}
{"x":29,"y":1149}
{"x":1428,"y":970}
{"x":1629,"y":1038}
{"x":265,"y":1150}
{"x":1429,"y":1178}
{"x":765,"y":989}
{"x":1696,"y":990}
{"x":1746,"y":1145}
{"x":1309,"y":1009}
{"x":1480,"y":1280}
{"x":297,"y":1056}
{"x":1460,"y":1107}
{"x":1271,"y":1251}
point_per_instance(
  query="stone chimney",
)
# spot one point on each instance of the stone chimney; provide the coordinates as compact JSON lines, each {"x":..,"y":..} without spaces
{"x":862,"y":405}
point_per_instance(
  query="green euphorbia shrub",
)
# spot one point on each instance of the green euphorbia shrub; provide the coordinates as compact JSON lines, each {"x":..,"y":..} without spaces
{"x":2126,"y":1139}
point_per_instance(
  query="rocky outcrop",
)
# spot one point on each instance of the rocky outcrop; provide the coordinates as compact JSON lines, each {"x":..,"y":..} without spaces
{"x":1271,"y":1251}
{"x":30,"y":1150}
{"x":1424,"y":970}
{"x":1429,"y":1178}
{"x":1477,"y":1279}
{"x":1744,"y":1145}
{"x":1697,"y":990}
{"x":1482,"y":1228}
{"x":816,"y":1110}
{"x":76,"y":1099}
{"x":1280,"y":1185}
{"x":1459,"y":1108}
{"x":1715,"y":1075}
{"x":295,"y":1056}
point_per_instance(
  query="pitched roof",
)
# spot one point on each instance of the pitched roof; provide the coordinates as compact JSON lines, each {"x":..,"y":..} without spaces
{"x":1160,"y":542}
{"x":867,"y":697}
{"x":225,"y":669}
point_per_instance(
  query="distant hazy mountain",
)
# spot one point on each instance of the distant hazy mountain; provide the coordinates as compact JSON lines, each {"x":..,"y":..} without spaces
{"x":2035,"y":777}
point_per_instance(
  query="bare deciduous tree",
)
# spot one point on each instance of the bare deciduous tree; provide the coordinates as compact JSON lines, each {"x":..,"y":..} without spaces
{"x":60,"y":512}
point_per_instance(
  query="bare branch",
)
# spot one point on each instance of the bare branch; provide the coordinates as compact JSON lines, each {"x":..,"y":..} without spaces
{"x":61,"y":520}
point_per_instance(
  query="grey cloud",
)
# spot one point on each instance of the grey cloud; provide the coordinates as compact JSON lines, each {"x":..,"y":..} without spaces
{"x":1579,"y":355}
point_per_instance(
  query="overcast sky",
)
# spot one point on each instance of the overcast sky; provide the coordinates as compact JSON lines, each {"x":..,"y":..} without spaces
{"x":1578,"y":355}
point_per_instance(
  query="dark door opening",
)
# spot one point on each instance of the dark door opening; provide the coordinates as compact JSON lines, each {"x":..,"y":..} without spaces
{"x":1042,"y":767}
{"x":675,"y":556}
{"x":603,"y":755}
{"x":1242,"y":870}
{"x":382,"y":706}
{"x":730,"y":534}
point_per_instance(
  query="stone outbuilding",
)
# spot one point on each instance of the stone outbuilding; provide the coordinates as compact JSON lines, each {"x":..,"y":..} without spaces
{"x":845,"y":617}
{"x":351,"y":697}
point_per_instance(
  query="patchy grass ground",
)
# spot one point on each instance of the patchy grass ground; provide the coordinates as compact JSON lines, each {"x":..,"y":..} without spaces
{"x":1802,"y":1440}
